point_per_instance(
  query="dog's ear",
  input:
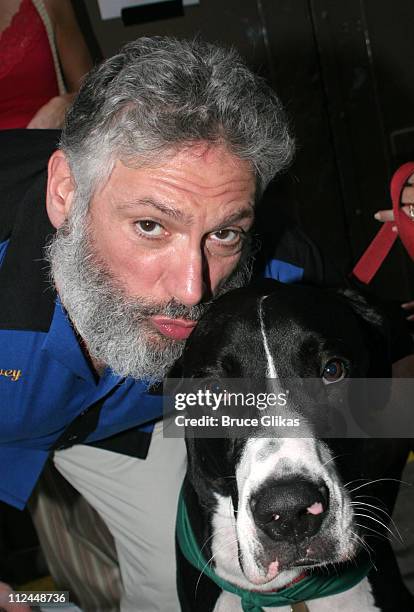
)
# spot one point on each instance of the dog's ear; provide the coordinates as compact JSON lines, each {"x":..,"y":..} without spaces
{"x":376,"y":328}
{"x":364,"y":307}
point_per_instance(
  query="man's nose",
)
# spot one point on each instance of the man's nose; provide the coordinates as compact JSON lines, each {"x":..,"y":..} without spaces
{"x":188,"y":280}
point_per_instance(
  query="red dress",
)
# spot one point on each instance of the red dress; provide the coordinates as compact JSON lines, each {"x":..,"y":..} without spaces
{"x":27,"y":71}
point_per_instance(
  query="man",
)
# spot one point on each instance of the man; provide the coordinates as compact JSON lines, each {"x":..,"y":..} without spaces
{"x":150,"y":202}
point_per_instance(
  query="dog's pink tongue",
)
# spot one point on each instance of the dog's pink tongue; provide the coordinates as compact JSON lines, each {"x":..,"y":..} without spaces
{"x":273,"y":570}
{"x":315,"y":508}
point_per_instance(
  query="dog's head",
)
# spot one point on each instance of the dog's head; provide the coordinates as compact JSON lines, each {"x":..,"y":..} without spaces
{"x":278,"y":504}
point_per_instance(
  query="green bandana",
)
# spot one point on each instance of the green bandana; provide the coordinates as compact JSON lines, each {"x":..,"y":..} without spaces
{"x":311,"y":587}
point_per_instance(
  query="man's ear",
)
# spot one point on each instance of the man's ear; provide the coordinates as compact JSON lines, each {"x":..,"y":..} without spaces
{"x":60,"y":189}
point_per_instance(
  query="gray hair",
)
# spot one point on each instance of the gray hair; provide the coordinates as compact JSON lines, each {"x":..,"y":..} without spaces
{"x":159,"y":94}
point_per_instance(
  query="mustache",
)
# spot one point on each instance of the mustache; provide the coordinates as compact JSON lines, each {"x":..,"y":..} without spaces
{"x":172,"y":309}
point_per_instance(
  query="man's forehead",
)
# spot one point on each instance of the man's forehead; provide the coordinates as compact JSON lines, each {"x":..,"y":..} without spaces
{"x":198,"y":154}
{"x":201,"y":170}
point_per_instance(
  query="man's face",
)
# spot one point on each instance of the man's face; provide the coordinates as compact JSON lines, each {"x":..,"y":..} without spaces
{"x":175,"y":231}
{"x":156,"y":243}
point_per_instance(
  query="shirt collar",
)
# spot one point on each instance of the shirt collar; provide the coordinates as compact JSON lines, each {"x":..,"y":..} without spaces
{"x":62,"y":345}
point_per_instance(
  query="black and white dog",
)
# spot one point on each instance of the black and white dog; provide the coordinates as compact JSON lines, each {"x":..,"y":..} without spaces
{"x":266,"y":511}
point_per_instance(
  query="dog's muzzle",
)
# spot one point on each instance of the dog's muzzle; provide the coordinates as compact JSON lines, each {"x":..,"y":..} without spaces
{"x":290,"y":510}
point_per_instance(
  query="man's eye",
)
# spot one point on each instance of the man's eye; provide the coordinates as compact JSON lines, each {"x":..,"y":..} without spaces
{"x":149,"y":228}
{"x":226,"y":236}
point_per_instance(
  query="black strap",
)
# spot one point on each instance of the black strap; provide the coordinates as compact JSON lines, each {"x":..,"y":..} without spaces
{"x":26,"y":296}
{"x":132,"y":442}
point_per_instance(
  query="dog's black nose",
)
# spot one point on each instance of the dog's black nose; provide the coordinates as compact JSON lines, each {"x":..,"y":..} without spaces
{"x":290,"y":509}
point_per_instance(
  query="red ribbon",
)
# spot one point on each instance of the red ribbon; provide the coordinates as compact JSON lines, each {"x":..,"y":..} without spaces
{"x":371,"y":260}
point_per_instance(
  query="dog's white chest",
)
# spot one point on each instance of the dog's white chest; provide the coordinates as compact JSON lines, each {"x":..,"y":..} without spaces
{"x":357,"y":599}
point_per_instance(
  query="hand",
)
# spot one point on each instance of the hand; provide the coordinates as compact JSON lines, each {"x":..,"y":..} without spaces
{"x":409,"y":309}
{"x":407,"y":197}
{"x":52,"y":114}
{"x":5,"y":591}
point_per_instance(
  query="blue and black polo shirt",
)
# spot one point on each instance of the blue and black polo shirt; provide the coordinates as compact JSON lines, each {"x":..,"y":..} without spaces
{"x":50,"y":397}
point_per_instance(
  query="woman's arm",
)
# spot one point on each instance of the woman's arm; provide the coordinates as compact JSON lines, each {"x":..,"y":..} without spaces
{"x":73,"y":53}
{"x":74,"y":58}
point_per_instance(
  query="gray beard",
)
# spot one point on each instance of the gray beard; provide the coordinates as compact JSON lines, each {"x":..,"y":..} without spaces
{"x":113,"y":325}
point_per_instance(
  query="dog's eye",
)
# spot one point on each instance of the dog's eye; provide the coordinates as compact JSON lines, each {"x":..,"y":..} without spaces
{"x":334,"y":371}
